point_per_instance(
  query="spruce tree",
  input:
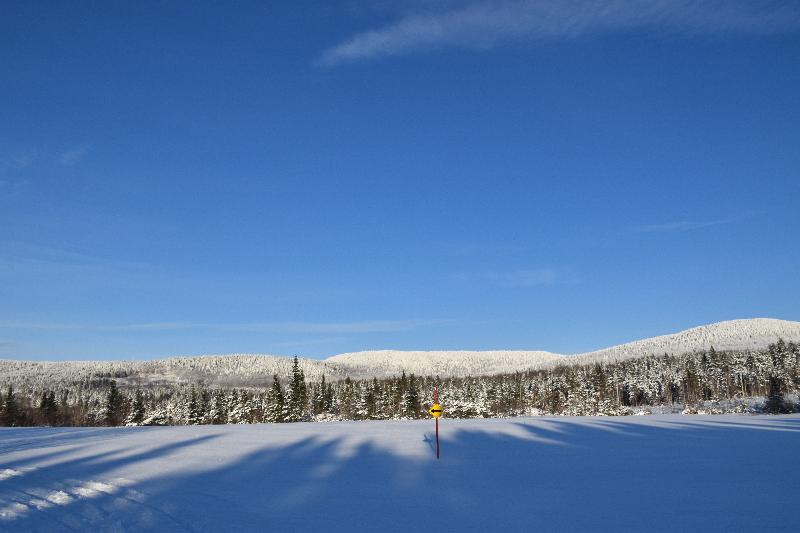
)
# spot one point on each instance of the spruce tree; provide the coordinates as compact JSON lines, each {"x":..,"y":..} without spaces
{"x":275,"y":407}
{"x":298,"y":394}
{"x":193,"y":414}
{"x":347,"y":407}
{"x":371,"y":399}
{"x":237,"y":410}
{"x":327,"y":399}
{"x":399,"y":394}
{"x":113,"y":406}
{"x":219,"y":409}
{"x":10,"y":415}
{"x":776,"y":403}
{"x":318,"y":397}
{"x":48,"y":410}
{"x":411,"y":401}
{"x":137,"y":409}
{"x":52,"y":408}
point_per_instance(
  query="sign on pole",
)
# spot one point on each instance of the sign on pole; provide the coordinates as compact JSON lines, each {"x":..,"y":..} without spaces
{"x":436,"y":411}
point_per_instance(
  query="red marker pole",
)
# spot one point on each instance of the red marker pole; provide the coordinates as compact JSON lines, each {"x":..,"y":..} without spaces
{"x":435,"y":401}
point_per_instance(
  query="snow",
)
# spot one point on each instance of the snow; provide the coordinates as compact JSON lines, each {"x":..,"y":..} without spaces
{"x":743,"y":335}
{"x":248,"y":370}
{"x":652,"y":473}
{"x":459,"y":363}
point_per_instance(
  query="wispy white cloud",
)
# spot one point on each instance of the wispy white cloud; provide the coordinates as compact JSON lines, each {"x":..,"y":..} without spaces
{"x":480,"y":249}
{"x":18,"y":161}
{"x":484,"y":24}
{"x":367,"y":326}
{"x":523,"y":277}
{"x":73,"y":156}
{"x":327,"y":341}
{"x":689,"y":225}
{"x":681,"y":225}
{"x":7,"y":347}
{"x":19,"y":256}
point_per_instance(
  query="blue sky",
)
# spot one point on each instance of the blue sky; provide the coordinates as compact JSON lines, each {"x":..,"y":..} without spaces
{"x":209,"y":178}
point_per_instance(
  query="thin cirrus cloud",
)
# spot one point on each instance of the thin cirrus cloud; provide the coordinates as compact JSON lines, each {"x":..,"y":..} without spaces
{"x":8,"y":346}
{"x":681,"y":225}
{"x":485,"y":24}
{"x":519,"y":278}
{"x":367,"y":326}
{"x":29,"y":257}
{"x":18,"y":161}
{"x":73,"y":156}
{"x":523,"y":277}
{"x":689,"y":225}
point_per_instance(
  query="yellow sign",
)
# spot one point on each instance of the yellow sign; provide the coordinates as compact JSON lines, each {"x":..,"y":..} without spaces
{"x":436,"y":410}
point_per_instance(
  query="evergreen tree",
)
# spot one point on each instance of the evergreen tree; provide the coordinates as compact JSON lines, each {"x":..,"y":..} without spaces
{"x":48,"y":409}
{"x":318,"y":397}
{"x":113,"y":406}
{"x":776,"y":403}
{"x":10,"y":415}
{"x":136,"y":415}
{"x":411,"y":401}
{"x":328,"y":399}
{"x":275,"y":404}
{"x":297,"y":393}
{"x":371,"y":399}
{"x":204,"y":406}
{"x":399,"y":394}
{"x":237,"y":408}
{"x":219,"y":409}
{"x":193,"y":414}
{"x":347,"y":407}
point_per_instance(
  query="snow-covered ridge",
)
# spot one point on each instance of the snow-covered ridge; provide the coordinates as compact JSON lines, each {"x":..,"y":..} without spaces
{"x":385,"y":363}
{"x":257,"y":370}
{"x":745,"y":334}
{"x":235,"y":370}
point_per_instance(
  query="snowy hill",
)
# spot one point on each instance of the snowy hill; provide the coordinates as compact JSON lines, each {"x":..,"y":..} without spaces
{"x":748,"y":334}
{"x":385,"y":363}
{"x":237,"y":370}
{"x":257,"y":370}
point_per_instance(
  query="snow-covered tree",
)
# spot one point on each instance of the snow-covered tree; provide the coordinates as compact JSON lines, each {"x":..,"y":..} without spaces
{"x":137,"y":413}
{"x":297,"y":394}
{"x":113,"y":406}
{"x":274,"y":408}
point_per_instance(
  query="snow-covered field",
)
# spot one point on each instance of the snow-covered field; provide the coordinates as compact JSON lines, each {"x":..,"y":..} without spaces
{"x":659,"y":473}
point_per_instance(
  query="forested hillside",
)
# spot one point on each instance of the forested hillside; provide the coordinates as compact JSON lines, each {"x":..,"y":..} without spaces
{"x":709,"y":381}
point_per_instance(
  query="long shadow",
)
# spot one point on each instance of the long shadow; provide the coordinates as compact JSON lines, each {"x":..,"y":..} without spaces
{"x":554,"y":474}
{"x":19,"y":439}
{"x":67,"y":495}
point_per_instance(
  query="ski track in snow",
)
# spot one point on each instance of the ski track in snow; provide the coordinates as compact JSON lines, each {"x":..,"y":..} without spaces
{"x":657,"y":473}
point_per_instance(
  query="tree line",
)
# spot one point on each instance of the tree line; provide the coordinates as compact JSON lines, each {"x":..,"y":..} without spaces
{"x":709,"y":381}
